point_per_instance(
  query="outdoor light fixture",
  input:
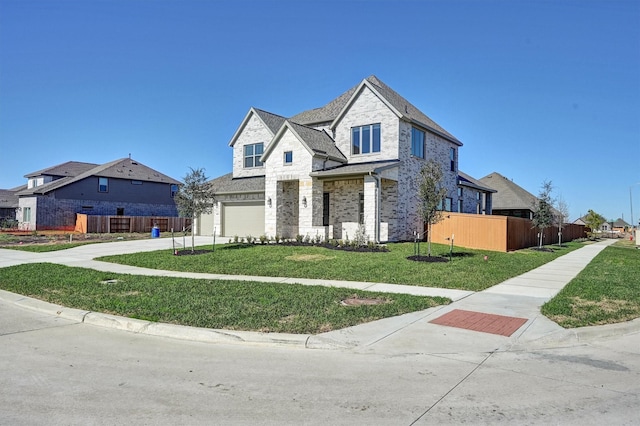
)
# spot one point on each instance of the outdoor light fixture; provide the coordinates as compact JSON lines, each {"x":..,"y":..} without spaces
{"x":304,"y":202}
{"x":269,"y":201}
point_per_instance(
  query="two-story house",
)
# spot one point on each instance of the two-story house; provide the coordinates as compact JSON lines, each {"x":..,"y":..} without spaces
{"x":125,"y":186}
{"x":327,"y":171}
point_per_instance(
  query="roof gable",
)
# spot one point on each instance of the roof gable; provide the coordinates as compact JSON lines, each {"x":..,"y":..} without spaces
{"x":316,"y":142}
{"x":271,"y":122}
{"x":509,"y":195}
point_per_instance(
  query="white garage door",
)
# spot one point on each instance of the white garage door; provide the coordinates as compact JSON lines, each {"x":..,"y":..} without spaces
{"x":206,"y":224}
{"x":243,"y":219}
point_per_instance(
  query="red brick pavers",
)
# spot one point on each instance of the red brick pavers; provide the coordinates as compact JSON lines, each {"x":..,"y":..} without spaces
{"x":478,"y":321}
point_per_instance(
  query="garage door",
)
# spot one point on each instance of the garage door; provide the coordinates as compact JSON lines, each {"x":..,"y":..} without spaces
{"x":206,"y":224}
{"x":243,"y":219}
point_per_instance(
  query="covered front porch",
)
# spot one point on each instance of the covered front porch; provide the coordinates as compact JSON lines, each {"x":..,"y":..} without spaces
{"x":337,"y":204}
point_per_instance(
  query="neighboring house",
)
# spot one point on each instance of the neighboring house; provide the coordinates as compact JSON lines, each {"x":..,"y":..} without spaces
{"x":619,"y":225}
{"x":9,"y":203}
{"x":327,"y":171}
{"x":54,"y":195}
{"x":510,"y":199}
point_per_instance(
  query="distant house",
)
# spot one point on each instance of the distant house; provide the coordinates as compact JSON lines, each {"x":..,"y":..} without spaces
{"x":329,"y":172}
{"x":54,"y":195}
{"x":9,"y":203}
{"x":510,"y":199}
{"x":619,"y":225}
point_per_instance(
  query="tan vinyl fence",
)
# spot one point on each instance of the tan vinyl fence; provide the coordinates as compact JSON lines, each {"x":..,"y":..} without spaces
{"x":497,"y":233}
{"x":126,"y":224}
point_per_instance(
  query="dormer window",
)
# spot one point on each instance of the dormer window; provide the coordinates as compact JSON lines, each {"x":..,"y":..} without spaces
{"x":252,"y":154}
{"x":365,"y":139}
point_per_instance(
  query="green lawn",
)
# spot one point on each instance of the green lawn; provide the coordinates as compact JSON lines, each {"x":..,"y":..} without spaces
{"x":468,"y":270}
{"x":233,"y":305}
{"x":606,"y":291}
{"x":46,"y":247}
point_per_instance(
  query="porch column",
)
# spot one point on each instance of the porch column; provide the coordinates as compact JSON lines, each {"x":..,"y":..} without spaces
{"x":370,"y":207}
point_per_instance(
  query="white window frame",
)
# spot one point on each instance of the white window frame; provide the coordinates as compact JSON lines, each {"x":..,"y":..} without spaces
{"x":255,"y":158}
{"x":371,"y":146}
{"x":103,"y":182}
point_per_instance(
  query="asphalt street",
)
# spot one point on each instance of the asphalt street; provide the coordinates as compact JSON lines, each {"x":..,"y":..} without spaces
{"x":400,"y":371}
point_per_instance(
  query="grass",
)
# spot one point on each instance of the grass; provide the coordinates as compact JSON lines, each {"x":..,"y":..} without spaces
{"x":219,"y":304}
{"x":468,"y":270}
{"x":45,"y":247}
{"x":607,"y":291}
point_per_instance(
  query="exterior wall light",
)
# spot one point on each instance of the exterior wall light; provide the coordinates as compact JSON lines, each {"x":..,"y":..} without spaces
{"x":269,"y":201}
{"x":304,"y":202}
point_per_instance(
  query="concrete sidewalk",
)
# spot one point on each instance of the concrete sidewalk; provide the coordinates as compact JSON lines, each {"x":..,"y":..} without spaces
{"x":519,"y":297}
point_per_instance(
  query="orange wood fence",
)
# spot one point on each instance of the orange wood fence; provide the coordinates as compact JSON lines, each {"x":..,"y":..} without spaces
{"x":116,"y":224}
{"x":497,"y":233}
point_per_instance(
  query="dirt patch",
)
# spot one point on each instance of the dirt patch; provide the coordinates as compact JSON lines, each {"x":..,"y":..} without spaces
{"x":190,"y":252}
{"x":309,"y":257}
{"x":358,"y":301}
{"x":605,"y":305}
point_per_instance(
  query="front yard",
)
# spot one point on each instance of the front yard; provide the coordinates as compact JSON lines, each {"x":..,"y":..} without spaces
{"x":468,"y":269}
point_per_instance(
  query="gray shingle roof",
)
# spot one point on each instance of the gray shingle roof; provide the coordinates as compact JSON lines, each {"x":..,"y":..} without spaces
{"x":465,"y":179}
{"x":70,"y":168}
{"x":356,"y":169}
{"x":318,"y":141}
{"x":124,"y":168}
{"x":8,"y":199}
{"x":330,"y":111}
{"x":509,"y":196}
{"x":273,"y":121}
{"x":227,"y":184}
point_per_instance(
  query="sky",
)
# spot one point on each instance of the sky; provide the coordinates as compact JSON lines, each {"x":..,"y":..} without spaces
{"x":536,"y":90}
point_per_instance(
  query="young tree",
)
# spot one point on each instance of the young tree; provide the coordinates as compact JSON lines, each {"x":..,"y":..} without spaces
{"x":593,"y":221}
{"x":194,"y":197}
{"x":562,"y":214}
{"x":543,"y":210}
{"x":431,"y":193}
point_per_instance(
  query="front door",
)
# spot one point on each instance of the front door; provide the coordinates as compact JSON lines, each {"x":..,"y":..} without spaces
{"x":325,"y":209}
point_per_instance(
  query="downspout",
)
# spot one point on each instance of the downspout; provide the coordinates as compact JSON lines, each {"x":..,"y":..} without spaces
{"x":378,"y":197}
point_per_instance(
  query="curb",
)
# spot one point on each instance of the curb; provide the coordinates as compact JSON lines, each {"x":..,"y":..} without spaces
{"x":172,"y":331}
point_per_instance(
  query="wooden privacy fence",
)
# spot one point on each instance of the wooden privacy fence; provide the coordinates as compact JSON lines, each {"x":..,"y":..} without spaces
{"x":116,"y":224}
{"x":497,"y":233}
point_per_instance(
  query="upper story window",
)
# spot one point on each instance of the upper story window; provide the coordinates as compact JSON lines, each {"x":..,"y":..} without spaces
{"x":103,"y":184}
{"x":288,"y":157}
{"x":252,"y":154}
{"x":365,"y":139}
{"x":174,"y":190}
{"x":417,"y":142}
{"x":459,"y":192}
{"x":452,"y":158}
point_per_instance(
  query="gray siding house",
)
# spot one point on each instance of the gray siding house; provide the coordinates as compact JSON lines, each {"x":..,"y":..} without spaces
{"x":328,"y":172}
{"x":54,"y":195}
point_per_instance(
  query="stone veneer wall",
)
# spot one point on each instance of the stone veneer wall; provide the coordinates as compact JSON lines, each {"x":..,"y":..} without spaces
{"x":409,"y":218}
{"x":254,"y":132}
{"x":470,"y":201}
{"x":368,"y":109}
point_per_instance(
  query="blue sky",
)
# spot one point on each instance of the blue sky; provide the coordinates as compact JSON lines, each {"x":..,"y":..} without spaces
{"x":536,"y":90}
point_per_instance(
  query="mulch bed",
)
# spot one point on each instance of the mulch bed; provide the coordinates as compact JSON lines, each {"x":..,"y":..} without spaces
{"x":429,"y":259}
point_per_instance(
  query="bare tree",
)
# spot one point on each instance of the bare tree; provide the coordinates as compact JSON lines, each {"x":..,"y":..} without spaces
{"x":194,"y":198}
{"x":431,"y":196}
{"x":561,"y":216}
